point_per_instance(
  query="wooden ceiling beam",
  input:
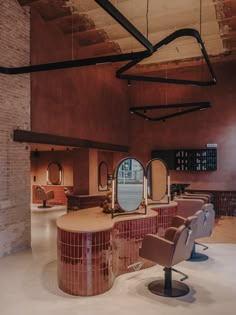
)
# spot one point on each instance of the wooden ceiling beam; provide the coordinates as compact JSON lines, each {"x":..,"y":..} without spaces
{"x":36,"y":137}
{"x":26,"y":2}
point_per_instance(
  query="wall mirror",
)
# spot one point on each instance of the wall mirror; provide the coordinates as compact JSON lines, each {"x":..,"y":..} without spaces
{"x":157,"y":181}
{"x":128,"y":186}
{"x":102,"y":176}
{"x":54,"y":173}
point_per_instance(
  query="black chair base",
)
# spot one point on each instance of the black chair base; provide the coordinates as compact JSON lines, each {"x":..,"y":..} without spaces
{"x":177,"y":288}
{"x":44,"y":207}
{"x":198,"y":257}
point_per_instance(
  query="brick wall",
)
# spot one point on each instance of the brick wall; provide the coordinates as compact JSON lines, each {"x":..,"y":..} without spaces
{"x":14,"y":113}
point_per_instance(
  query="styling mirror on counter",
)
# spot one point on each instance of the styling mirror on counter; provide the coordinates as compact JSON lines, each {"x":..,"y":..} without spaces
{"x":54,"y":173}
{"x":128,"y":188}
{"x":102,"y":176}
{"x":158,"y":181}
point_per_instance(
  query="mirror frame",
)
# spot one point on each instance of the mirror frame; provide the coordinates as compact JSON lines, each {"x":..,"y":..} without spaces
{"x":114,"y":191}
{"x":167,"y":191}
{"x":100,"y":187}
{"x":60,"y":173}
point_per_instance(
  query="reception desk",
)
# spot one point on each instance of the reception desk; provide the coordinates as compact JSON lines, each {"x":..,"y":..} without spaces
{"x":93,"y":248}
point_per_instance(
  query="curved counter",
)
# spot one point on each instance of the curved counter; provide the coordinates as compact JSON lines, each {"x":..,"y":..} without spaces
{"x":93,"y":248}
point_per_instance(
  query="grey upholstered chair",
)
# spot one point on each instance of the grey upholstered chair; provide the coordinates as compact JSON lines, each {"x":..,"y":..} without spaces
{"x":208,"y":196}
{"x":205,"y":224}
{"x":188,"y":207}
{"x":167,"y":251}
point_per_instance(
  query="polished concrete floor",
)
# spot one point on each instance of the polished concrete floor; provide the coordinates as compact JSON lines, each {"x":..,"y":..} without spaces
{"x":28,"y":282}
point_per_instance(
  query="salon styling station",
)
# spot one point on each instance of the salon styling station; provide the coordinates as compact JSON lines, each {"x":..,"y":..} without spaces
{"x":95,"y":247}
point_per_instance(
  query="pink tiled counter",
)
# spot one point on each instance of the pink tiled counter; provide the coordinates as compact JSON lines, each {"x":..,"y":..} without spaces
{"x":93,"y":248}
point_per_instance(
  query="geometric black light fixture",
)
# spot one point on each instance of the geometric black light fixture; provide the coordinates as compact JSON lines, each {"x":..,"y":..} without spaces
{"x":144,"y":111}
{"x":133,"y":57}
{"x":150,"y":49}
{"x":179,"y":33}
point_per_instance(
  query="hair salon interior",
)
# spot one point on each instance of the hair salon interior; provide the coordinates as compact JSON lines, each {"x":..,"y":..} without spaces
{"x":117,"y":135}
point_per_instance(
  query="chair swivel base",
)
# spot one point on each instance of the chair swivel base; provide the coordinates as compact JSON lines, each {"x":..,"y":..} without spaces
{"x":44,"y":207}
{"x":177,"y":288}
{"x":198,"y":257}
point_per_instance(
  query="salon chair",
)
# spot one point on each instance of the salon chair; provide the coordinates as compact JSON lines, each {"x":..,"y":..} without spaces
{"x":203,"y":198}
{"x":42,"y":194}
{"x":205,"y":224}
{"x":209,"y":196}
{"x":167,"y":251}
{"x":188,"y":207}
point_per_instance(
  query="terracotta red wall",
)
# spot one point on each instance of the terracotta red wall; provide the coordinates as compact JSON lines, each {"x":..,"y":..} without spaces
{"x":106,"y":157}
{"x":39,"y":165}
{"x":90,"y":103}
{"x":195,"y":130}
{"x":87,"y":102}
{"x":59,"y":195}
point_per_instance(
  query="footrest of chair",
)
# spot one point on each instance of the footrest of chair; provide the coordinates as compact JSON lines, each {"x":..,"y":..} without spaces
{"x":181,"y":273}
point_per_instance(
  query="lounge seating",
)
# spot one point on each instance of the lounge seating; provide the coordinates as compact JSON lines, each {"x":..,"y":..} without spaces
{"x":42,"y":194}
{"x":167,"y":251}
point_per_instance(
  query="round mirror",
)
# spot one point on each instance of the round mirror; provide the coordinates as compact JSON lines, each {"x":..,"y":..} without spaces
{"x":54,"y":173}
{"x":129,"y":184}
{"x":157,"y":179}
{"x":102,"y":176}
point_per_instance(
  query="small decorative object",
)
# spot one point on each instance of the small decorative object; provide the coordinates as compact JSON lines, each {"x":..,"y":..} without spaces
{"x":106,"y":204}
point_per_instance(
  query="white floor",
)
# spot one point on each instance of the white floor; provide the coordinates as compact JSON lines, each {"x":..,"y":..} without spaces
{"x":28,"y":282}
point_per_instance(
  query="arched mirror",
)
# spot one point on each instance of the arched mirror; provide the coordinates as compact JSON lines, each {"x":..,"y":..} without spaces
{"x":129,"y":185}
{"x":54,"y":173}
{"x":157,"y":181}
{"x":102,"y":176}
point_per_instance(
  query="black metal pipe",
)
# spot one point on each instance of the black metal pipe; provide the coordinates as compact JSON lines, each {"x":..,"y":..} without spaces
{"x":179,"y":33}
{"x":122,"y":20}
{"x":196,"y":107}
{"x":168,"y":280}
{"x":73,"y":63}
{"x":201,"y":104}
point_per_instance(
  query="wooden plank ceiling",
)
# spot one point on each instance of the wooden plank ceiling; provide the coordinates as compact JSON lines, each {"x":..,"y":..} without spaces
{"x":93,"y":29}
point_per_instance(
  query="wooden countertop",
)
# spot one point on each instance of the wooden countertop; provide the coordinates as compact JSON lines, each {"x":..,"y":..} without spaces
{"x":94,"y":220}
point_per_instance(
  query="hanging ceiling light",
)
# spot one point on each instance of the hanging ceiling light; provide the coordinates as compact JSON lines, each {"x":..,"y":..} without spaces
{"x":134,"y":57}
{"x":186,"y":108}
{"x":144,"y":111}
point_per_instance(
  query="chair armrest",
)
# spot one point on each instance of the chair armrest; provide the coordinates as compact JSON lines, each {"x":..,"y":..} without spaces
{"x":177,"y":221}
{"x":170,"y":233}
{"x":157,"y":249}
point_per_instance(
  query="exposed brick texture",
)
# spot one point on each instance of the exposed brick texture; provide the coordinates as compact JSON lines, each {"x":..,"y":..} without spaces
{"x":14,"y":113}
